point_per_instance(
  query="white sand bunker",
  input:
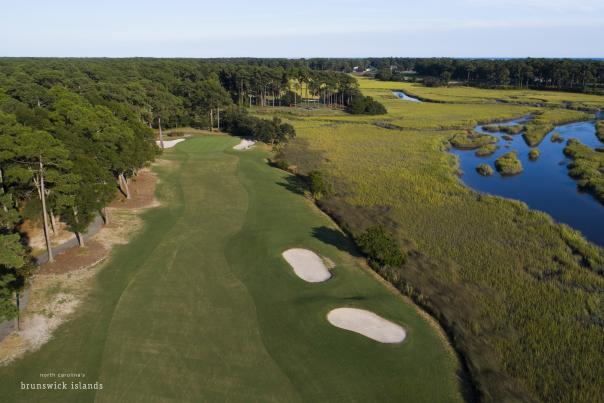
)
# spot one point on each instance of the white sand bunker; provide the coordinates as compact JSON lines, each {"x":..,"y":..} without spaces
{"x":170,"y":143}
{"x":366,"y":323}
{"x":244,"y":145}
{"x":307,"y":265}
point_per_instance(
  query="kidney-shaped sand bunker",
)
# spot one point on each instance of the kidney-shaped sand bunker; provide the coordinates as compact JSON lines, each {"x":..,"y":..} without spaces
{"x":366,"y":323}
{"x":307,"y":265}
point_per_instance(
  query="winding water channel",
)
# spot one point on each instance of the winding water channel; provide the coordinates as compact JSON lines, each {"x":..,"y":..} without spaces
{"x":401,"y":95}
{"x":545,"y":184}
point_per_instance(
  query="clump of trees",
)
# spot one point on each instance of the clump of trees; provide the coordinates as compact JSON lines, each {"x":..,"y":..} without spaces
{"x":365,"y":105}
{"x":239,"y":123}
{"x":560,"y":74}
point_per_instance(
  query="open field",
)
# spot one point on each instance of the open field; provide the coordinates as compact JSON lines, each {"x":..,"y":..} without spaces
{"x":520,"y":294}
{"x":201,"y":306}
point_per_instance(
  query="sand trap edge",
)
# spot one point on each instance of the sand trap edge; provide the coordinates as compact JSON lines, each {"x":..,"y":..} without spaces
{"x":307,"y":265}
{"x":368,"y":324}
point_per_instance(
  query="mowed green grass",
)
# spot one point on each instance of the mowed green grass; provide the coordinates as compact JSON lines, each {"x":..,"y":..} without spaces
{"x":200,"y":306}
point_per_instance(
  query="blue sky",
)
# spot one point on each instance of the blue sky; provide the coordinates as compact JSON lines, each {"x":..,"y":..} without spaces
{"x":304,"y":28}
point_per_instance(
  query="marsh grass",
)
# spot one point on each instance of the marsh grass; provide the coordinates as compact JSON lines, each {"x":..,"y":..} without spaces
{"x":509,"y":164}
{"x":519,"y":295}
{"x":484,"y":170}
{"x":600,"y":130}
{"x":486,"y":150}
{"x":587,"y":167}
{"x":544,"y":122}
{"x":472,"y":140}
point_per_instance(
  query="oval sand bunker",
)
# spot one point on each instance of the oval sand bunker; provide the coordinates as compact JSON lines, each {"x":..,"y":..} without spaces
{"x":244,"y":145}
{"x":366,"y":323}
{"x":307,"y":265}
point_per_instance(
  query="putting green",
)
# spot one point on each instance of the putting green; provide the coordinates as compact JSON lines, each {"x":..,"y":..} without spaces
{"x":201,"y":306}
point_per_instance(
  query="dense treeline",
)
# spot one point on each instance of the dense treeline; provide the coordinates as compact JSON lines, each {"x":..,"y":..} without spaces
{"x":558,"y":74}
{"x":73,"y":131}
{"x":62,"y":158}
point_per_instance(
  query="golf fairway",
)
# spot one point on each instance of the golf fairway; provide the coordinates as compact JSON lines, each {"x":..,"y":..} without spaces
{"x":200,"y":306}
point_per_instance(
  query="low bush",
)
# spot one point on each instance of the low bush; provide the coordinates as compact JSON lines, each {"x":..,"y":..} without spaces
{"x":380,"y":247}
{"x":318,"y":184}
{"x":534,"y":154}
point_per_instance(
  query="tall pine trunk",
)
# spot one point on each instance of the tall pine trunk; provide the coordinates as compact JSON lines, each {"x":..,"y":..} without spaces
{"x":105,"y":215}
{"x":161,"y":135}
{"x":124,"y":186}
{"x":44,"y":212}
{"x":53,"y":222}
{"x":78,"y":234}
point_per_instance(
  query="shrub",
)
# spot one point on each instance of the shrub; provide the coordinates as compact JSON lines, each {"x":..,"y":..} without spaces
{"x":380,"y":247}
{"x":318,"y":184}
{"x":534,"y":154}
{"x":281,"y":165}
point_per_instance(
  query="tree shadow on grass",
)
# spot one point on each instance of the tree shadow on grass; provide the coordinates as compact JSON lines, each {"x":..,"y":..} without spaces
{"x":294,"y":184}
{"x":336,"y":238}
